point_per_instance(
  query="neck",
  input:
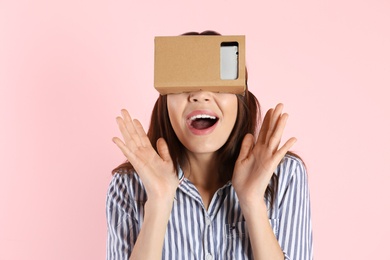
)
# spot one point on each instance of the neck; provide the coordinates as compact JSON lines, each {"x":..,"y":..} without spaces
{"x":202,"y":171}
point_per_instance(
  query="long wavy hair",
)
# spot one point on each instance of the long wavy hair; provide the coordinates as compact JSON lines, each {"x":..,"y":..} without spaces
{"x":248,"y":121}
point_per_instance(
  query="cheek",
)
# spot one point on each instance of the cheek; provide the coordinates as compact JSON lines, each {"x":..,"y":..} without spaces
{"x":231,"y":109}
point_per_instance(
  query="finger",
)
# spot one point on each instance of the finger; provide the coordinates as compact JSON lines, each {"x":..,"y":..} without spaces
{"x":284,"y":149}
{"x":264,"y":127}
{"x":143,"y":138}
{"x":125,"y":150}
{"x":127,"y":137}
{"x":275,"y":138}
{"x":163,"y":150}
{"x":246,"y":147}
{"x":129,"y":123}
{"x":273,"y":121}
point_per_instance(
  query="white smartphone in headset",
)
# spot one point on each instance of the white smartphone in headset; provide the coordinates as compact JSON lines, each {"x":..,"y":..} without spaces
{"x":229,"y":60}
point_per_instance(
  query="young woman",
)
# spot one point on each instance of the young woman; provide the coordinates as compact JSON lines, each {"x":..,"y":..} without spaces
{"x":204,"y":183}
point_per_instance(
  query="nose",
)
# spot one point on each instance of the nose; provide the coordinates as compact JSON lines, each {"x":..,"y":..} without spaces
{"x":200,"y":96}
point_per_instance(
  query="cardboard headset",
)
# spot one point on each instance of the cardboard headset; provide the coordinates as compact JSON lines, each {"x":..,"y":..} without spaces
{"x":199,"y":62}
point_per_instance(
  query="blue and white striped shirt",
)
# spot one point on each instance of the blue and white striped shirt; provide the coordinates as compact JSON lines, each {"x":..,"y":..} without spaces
{"x":220,"y":231}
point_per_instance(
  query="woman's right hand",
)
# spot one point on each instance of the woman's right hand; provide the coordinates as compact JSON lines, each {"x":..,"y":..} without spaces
{"x":156,"y":170}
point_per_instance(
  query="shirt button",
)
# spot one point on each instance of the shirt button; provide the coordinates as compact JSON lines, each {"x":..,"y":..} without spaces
{"x":208,"y":222}
{"x":209,"y":256}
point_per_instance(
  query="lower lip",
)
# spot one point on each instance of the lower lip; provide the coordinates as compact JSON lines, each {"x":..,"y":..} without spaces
{"x":202,"y":131}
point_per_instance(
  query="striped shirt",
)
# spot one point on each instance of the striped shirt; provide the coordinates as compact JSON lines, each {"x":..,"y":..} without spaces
{"x":219,"y":232}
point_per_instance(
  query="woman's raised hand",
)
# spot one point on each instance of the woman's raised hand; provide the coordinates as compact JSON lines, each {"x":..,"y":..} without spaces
{"x":156,"y":170}
{"x":257,"y":161}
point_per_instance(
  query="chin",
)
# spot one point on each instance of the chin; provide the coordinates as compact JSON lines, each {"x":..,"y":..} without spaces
{"x":206,"y":148}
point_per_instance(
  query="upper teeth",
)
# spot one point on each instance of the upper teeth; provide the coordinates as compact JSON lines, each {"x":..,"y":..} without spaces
{"x":202,"y":116}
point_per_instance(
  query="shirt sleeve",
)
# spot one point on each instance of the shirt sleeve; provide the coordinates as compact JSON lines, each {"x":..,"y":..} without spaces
{"x":295,"y":228}
{"x":120,"y":217}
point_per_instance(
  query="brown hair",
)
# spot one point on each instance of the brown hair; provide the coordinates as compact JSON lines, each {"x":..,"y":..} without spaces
{"x":248,"y":120}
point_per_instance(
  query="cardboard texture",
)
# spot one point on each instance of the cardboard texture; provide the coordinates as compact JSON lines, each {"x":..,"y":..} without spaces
{"x":193,"y":63}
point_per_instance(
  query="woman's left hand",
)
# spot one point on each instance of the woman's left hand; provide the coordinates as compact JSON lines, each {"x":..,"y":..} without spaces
{"x":257,"y":161}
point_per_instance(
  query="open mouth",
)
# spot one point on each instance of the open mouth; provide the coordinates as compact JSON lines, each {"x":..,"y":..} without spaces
{"x":202,"y":122}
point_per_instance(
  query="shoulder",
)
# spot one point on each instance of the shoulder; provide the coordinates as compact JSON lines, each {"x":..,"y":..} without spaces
{"x":125,"y":184}
{"x":122,"y":204}
{"x":291,"y":169}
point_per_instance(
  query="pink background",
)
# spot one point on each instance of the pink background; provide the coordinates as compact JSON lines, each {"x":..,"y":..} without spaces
{"x":68,"y":67}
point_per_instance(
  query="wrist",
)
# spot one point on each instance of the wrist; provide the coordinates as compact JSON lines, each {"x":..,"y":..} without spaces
{"x":159,"y":205}
{"x":253,"y":205}
{"x":252,"y":197}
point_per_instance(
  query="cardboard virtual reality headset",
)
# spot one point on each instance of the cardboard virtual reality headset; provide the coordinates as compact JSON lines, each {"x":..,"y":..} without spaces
{"x":199,"y":62}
